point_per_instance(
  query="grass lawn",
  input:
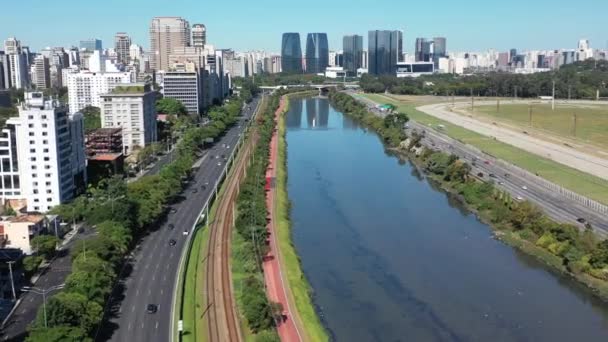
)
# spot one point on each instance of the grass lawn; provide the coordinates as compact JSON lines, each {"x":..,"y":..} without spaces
{"x":298,"y":284}
{"x":194,"y":299}
{"x":591,"y":121}
{"x":580,"y":182}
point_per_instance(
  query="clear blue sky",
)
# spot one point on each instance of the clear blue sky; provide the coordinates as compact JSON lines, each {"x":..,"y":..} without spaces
{"x":469,"y":25}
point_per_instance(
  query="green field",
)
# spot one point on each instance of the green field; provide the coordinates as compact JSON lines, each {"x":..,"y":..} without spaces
{"x":591,"y":121}
{"x":298,"y":284}
{"x":580,"y":182}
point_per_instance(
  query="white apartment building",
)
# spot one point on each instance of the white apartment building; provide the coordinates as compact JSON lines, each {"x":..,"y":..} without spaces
{"x":132,"y":108}
{"x":85,"y":88}
{"x":10,"y":182}
{"x":50,"y":152}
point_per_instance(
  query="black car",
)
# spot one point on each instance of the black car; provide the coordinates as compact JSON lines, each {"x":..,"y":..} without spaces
{"x":492,"y":175}
{"x":172,"y":242}
{"x":171,"y":226}
{"x":173,"y":210}
{"x":581,"y":220}
{"x":195,"y":190}
{"x":152,"y":308}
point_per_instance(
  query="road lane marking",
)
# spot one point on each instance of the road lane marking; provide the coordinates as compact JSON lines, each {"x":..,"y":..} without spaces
{"x":156,"y":325}
{"x":154,"y":277}
{"x":161,"y":291}
{"x":133,"y":308}
{"x":130,"y":326}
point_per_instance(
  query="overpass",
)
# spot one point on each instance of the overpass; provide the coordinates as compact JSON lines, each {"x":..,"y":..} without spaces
{"x":321,"y":87}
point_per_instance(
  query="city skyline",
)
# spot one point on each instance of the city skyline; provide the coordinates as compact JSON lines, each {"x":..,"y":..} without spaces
{"x":266,"y":35}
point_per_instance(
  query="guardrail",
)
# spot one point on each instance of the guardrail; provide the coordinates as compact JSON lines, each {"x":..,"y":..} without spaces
{"x":180,"y":280}
{"x":568,"y":194}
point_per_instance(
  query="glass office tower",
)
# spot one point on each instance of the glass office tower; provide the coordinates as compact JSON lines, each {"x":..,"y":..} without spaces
{"x":385,"y":49}
{"x":317,"y":53}
{"x":291,"y":53}
{"x":352,"y":47}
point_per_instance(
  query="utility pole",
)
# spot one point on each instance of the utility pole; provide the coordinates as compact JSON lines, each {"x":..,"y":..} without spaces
{"x":10,"y":270}
{"x":530,"y":114}
{"x":553,"y":97}
{"x":574,"y":126}
{"x":43,"y":292}
{"x":569,"y":92}
{"x":515,"y":92}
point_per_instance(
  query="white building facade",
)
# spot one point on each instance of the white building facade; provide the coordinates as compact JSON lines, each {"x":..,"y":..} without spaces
{"x":50,"y":149}
{"x":85,"y":88}
{"x":132,"y":108}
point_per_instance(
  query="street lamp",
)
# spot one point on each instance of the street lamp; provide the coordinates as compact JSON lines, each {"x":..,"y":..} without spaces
{"x":43,"y":292}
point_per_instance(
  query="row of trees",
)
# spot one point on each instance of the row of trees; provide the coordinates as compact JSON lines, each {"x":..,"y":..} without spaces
{"x":573,"y":251}
{"x":390,"y":128}
{"x":580,"y":80}
{"x":272,"y":80}
{"x":251,"y":222}
{"x":122,"y":213}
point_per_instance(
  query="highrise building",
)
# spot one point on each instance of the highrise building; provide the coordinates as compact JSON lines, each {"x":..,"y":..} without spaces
{"x":167,"y":33}
{"x":183,"y":82}
{"x":15,"y":64}
{"x":50,"y":149}
{"x":583,"y":44}
{"x":423,"y":50}
{"x":199,"y":35}
{"x":122,"y":46}
{"x":317,"y":53}
{"x":10,"y":181}
{"x":439,"y":48}
{"x":137,"y":121}
{"x":41,"y":72}
{"x":352,"y":47}
{"x":136,"y":53}
{"x":291,"y":53}
{"x":91,"y":44}
{"x":385,"y":49}
{"x":85,"y":87}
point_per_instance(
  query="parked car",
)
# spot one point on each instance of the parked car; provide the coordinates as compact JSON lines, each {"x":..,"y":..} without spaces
{"x":581,"y":220}
{"x":524,"y":187}
{"x":172,"y":242}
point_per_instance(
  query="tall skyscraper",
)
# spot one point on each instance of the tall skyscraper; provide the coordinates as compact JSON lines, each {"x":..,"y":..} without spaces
{"x":439,"y":49}
{"x":91,"y":44}
{"x":167,"y":33}
{"x":352,"y":47}
{"x":41,"y":72}
{"x":122,"y":45}
{"x":317,"y":53}
{"x":423,"y":50}
{"x":16,"y":64}
{"x":384,"y":51}
{"x":199,"y":35}
{"x":291,"y":53}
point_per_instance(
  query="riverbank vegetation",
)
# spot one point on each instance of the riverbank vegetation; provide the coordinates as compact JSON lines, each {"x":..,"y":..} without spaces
{"x":299,"y":286}
{"x":578,"y":253}
{"x":580,"y":80}
{"x":122,"y":213}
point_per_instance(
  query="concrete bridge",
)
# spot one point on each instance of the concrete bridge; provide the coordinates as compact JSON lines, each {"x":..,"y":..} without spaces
{"x":323,"y":88}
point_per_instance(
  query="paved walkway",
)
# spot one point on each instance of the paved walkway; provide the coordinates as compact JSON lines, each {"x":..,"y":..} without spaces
{"x":276,"y":283}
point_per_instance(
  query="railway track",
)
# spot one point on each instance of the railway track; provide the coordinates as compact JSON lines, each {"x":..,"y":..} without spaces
{"x":222,"y":318}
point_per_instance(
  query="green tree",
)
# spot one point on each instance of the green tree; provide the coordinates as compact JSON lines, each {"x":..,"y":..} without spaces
{"x":171,"y":106}
{"x":31,"y":263}
{"x":267,"y":336}
{"x":525,"y":215}
{"x":70,"y":309}
{"x":45,"y":245}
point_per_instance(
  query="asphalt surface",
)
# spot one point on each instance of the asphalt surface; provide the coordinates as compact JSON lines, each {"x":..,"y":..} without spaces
{"x":557,"y":207}
{"x":151,"y":272}
{"x":55,"y":274}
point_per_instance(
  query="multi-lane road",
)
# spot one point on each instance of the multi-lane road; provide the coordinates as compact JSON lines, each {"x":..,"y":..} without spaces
{"x":149,"y":277}
{"x":554,"y":205}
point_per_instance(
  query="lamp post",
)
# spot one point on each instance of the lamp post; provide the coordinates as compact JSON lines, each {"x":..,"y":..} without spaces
{"x":43,"y":292}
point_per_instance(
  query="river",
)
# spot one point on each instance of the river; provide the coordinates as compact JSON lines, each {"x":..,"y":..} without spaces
{"x":392,"y":258}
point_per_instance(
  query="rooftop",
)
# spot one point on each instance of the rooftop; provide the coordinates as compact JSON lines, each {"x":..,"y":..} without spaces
{"x":27,"y":218}
{"x":131,"y":88}
{"x":106,"y":156}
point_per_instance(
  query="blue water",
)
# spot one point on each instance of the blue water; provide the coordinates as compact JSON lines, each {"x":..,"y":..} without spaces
{"x":392,"y":258}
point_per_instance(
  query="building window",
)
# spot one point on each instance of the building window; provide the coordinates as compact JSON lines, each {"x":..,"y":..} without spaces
{"x":36,"y":208}
{"x":48,"y":183}
{"x":44,"y":125}
{"x":34,"y":167}
{"x":35,"y":191}
{"x":34,"y":175}
{"x":33,"y":158}
{"x":30,"y":117}
{"x":32,"y":150}
{"x":49,"y":191}
{"x":44,"y":134}
{"x":35,"y":183}
{"x":46,"y":158}
{"x":31,"y":134}
{"x":46,"y":142}
{"x":30,"y":125}
{"x":49,"y":199}
{"x":32,"y":142}
{"x":48,"y":175}
{"x":44,"y":117}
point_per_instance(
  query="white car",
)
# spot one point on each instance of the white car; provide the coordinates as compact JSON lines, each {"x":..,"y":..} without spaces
{"x":519,"y":198}
{"x":524,"y":187}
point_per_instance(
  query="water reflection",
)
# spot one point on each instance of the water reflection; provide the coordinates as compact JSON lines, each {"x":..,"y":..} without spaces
{"x":392,"y":258}
{"x":294,"y":120}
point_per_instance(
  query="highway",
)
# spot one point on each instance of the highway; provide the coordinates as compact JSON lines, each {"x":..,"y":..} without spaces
{"x":149,"y":277}
{"x":557,"y":207}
